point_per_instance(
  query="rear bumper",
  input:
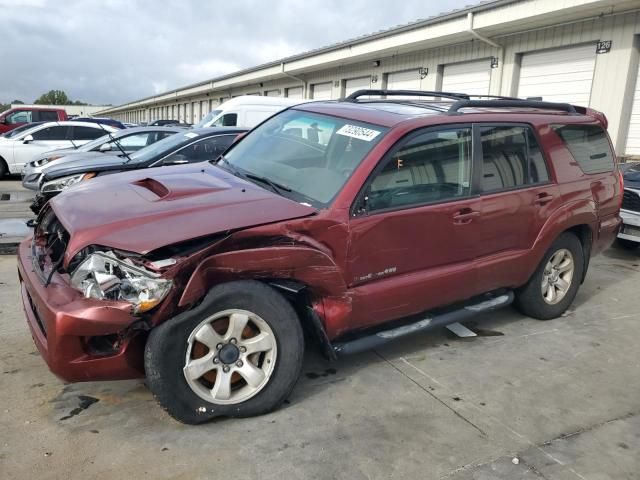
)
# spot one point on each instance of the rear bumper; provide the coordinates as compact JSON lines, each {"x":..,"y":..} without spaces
{"x":606,"y":235}
{"x":631,"y":226}
{"x":62,"y":321}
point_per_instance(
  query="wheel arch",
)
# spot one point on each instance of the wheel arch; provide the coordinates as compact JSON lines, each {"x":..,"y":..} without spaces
{"x":308,"y":278}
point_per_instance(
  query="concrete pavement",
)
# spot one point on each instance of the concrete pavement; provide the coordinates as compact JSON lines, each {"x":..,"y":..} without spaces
{"x":562,"y":397}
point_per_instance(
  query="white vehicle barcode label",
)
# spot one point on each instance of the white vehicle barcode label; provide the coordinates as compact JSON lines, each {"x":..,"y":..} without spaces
{"x":360,"y":133}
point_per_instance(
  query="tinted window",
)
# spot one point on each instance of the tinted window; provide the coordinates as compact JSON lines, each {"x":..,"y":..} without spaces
{"x":432,"y":167}
{"x":511,"y":158}
{"x":227,"y":120}
{"x":87,"y":133}
{"x":46,"y":116}
{"x":133,"y":142}
{"x":589,"y":146}
{"x":51,"y":133}
{"x":207,"y":149}
{"x":22,"y":116}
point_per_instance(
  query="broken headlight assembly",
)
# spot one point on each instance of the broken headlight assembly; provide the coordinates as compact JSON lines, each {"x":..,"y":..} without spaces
{"x":104,"y":276}
{"x":62,"y":183}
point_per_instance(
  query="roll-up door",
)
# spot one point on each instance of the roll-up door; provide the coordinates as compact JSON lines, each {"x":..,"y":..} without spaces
{"x":468,"y":77}
{"x":294,"y":92}
{"x":355,"y":84}
{"x":633,"y":137}
{"x":559,"y":75}
{"x":321,"y":91}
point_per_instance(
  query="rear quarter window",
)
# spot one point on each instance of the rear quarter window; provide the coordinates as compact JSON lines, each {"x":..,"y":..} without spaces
{"x":589,"y":145}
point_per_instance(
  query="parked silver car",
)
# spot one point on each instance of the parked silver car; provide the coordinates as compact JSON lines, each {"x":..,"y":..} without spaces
{"x":129,"y":140}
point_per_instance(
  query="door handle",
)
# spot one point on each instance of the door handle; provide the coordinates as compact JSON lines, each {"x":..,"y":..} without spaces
{"x":464,"y":216}
{"x":543,"y":198}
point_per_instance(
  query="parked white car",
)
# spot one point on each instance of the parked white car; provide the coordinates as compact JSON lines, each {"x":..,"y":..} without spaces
{"x":18,"y":150}
{"x":245,"y":111}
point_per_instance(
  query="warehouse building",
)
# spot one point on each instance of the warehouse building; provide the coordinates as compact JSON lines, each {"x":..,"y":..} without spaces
{"x":585,"y":52}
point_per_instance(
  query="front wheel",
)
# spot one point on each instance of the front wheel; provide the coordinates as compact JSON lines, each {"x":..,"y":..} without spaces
{"x":239,"y":353}
{"x":554,"y":285}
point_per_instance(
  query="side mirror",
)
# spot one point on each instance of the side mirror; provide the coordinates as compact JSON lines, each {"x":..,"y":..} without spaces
{"x":105,"y":147}
{"x":27,"y":139}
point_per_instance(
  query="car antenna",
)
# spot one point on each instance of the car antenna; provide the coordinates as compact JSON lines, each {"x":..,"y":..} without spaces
{"x":115,"y":140}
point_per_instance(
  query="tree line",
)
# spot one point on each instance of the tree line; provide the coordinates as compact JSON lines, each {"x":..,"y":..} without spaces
{"x":52,"y":97}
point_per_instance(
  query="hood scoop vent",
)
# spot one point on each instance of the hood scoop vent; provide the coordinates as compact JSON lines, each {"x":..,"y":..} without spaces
{"x":173,"y":187}
{"x":153,"y":186}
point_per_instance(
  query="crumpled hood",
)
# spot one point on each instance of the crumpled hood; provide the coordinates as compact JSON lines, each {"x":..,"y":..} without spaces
{"x":143,"y":210}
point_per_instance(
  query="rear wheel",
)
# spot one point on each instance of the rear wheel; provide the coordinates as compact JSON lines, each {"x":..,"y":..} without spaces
{"x":554,"y":285}
{"x":3,"y":168}
{"x":239,"y":353}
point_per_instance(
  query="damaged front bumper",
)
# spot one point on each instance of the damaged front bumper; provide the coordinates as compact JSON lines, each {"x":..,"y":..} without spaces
{"x":70,"y":331}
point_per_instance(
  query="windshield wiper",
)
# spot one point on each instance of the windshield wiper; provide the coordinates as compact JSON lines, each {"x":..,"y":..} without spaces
{"x":232,"y":168}
{"x":115,"y":140}
{"x":276,"y":187}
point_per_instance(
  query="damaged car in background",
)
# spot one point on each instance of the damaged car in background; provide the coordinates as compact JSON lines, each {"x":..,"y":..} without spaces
{"x":360,"y":221}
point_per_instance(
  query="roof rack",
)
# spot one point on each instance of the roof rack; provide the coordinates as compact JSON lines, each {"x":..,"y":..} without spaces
{"x":565,"y":107}
{"x":413,"y":93}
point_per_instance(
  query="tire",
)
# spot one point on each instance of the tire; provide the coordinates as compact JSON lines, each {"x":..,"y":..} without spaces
{"x":530,"y":299}
{"x":173,"y":351}
{"x":4,"y":170}
{"x":626,"y":244}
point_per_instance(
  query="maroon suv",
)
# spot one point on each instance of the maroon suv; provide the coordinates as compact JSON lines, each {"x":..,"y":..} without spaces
{"x":359,"y":221}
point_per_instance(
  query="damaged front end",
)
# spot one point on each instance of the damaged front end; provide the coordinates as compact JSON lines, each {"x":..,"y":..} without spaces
{"x":88,"y":318}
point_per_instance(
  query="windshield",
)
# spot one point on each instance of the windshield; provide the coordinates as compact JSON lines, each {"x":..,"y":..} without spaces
{"x":166,"y":145}
{"x":312,"y":155}
{"x":207,"y":119}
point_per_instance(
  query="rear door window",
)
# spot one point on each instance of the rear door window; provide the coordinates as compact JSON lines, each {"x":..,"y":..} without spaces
{"x":51,"y":133}
{"x":589,"y":145}
{"x":511,"y":158}
{"x":87,"y":133}
{"x":46,"y":116}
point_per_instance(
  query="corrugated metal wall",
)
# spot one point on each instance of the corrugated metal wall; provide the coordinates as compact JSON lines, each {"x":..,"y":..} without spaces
{"x":612,"y":88}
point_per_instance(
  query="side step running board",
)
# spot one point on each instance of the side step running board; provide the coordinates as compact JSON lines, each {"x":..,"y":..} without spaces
{"x":429,"y":323}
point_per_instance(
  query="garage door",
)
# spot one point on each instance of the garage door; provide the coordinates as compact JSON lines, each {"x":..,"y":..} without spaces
{"x":355,"y":84}
{"x":295,"y":92}
{"x":272,"y":93}
{"x":409,"y":80}
{"x":468,"y":77}
{"x":321,"y":91}
{"x":562,"y":75}
{"x":633,"y":137}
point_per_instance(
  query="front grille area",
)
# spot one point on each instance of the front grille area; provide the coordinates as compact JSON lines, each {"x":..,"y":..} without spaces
{"x":50,"y":241}
{"x":631,"y":201}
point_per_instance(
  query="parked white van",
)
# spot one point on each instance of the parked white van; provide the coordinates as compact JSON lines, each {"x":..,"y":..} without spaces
{"x":245,"y":111}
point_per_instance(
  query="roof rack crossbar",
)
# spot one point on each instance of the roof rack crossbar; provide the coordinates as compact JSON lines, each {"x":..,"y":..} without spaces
{"x":412,"y":93}
{"x":565,"y":107}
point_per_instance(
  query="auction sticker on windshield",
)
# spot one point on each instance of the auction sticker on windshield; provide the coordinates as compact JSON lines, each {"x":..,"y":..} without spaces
{"x":360,"y":133}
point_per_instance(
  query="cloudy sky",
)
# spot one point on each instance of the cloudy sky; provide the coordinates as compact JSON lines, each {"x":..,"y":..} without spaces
{"x":114,"y":51}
